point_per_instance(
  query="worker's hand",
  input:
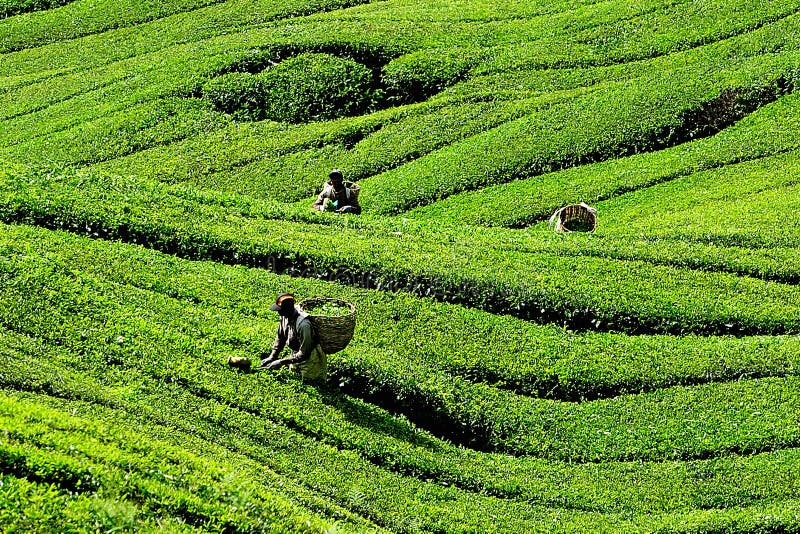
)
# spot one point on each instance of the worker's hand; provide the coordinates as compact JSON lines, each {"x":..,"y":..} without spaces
{"x":277,"y":364}
{"x":268,"y":360}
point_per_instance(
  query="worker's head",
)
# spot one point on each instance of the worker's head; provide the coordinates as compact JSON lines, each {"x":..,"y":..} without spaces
{"x":337,"y":178}
{"x":284,"y":304}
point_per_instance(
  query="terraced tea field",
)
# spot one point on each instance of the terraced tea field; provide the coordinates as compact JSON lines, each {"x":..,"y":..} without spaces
{"x":157,"y":165}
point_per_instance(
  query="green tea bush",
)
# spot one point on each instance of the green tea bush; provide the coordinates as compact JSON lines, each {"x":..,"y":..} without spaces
{"x":137,"y":128}
{"x":78,"y":19}
{"x":238,"y":93}
{"x":315,"y":86}
{"x":172,"y":373}
{"x":772,"y":129}
{"x":144,"y":474}
{"x":577,"y":292}
{"x":301,"y":88}
{"x":418,"y":76}
{"x":10,"y":8}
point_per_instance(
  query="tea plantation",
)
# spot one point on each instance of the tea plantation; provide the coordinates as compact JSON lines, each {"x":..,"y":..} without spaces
{"x":158,"y":161}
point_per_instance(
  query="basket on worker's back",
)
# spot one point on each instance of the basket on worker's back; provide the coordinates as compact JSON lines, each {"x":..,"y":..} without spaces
{"x":355,"y":189}
{"x":334,"y":331}
{"x":574,"y":218}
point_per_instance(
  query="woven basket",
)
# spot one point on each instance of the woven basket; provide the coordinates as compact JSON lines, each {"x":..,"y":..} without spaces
{"x":568,"y":218}
{"x":334,"y":332}
{"x":354,"y":188}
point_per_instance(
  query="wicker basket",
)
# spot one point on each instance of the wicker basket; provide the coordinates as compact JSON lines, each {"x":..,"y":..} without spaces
{"x":575,"y":217}
{"x":334,"y":332}
{"x":354,"y":188}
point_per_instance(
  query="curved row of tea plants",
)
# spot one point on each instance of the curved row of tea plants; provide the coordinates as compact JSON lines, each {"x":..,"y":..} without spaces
{"x":80,"y":18}
{"x":342,"y":478}
{"x":437,"y":417}
{"x":581,"y":292}
{"x":491,"y":418}
{"x":137,"y":72}
{"x":183,"y":361}
{"x":769,"y":131}
{"x":134,"y":477}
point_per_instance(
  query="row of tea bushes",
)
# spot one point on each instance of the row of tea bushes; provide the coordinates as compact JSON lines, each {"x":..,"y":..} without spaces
{"x":255,"y":154}
{"x":478,"y":415}
{"x":769,"y":131}
{"x":620,"y":40}
{"x":695,"y":422}
{"x":406,"y":136}
{"x":612,"y":120}
{"x":708,"y":253}
{"x":136,"y":128}
{"x":134,"y":80}
{"x":579,"y":292}
{"x":81,"y":18}
{"x":604,"y":485}
{"x":288,"y":163}
{"x":10,"y":8}
{"x":86,"y":31}
{"x":94,"y":93}
{"x":110,"y":476}
{"x":525,"y":357}
{"x":151,"y":349}
{"x":179,"y":409}
{"x":730,"y":206}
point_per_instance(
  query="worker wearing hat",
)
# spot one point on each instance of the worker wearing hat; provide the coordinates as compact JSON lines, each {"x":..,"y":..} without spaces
{"x":296,"y":331}
{"x":342,"y":197}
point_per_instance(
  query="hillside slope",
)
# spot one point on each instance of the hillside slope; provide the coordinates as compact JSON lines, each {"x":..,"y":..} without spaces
{"x":157,"y":164}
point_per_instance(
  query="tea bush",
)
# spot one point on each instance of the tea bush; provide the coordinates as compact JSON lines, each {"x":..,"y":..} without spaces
{"x":420,"y":75}
{"x":575,"y":292}
{"x":643,"y":378}
{"x":316,"y":87}
{"x":238,"y":93}
{"x":770,"y":130}
{"x":9,"y":8}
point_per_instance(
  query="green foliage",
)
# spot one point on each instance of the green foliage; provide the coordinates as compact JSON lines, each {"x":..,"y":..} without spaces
{"x":203,"y":432}
{"x":302,"y":88}
{"x":508,"y":379}
{"x":770,"y":130}
{"x":578,"y":292}
{"x":315,"y":87}
{"x":418,"y":76}
{"x":10,"y":8}
{"x":237,"y":93}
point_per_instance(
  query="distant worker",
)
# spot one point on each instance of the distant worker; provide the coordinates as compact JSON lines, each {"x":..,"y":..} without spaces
{"x":296,"y":331}
{"x":338,"y":196}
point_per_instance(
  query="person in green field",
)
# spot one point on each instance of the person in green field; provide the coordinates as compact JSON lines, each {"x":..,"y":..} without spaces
{"x":338,"y":196}
{"x":296,"y":331}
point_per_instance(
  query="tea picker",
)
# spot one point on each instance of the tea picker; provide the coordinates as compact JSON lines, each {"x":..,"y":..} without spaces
{"x":312,"y":330}
{"x":338,"y":195}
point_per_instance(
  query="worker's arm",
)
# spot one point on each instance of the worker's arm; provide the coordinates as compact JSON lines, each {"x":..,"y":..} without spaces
{"x":319,"y":204}
{"x":280,"y":342}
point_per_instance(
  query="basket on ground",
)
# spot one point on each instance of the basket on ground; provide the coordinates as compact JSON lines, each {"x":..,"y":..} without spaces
{"x":335,"y":331}
{"x":574,"y":218}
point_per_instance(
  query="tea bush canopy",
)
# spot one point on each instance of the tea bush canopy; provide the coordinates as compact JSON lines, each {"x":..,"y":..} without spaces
{"x":158,"y":161}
